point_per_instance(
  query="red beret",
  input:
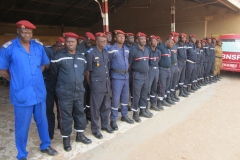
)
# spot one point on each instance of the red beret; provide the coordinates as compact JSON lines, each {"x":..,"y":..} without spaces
{"x":119,"y":32}
{"x":174,"y":34}
{"x":214,"y":38}
{"x":100,"y":34}
{"x":208,"y":38}
{"x":171,"y":37}
{"x":182,"y":35}
{"x":81,"y":37}
{"x":193,"y":35}
{"x":70,"y":35}
{"x":153,"y":37}
{"x":89,"y":35}
{"x":129,"y":34}
{"x":158,"y":38}
{"x":140,"y":34}
{"x":61,"y":40}
{"x":108,"y":33}
{"x":204,"y":41}
{"x":25,"y":24}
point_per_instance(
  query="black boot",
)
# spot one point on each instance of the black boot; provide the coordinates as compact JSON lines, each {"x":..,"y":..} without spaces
{"x":185,"y":91}
{"x":66,"y":144}
{"x":197,"y":85}
{"x":127,"y":119}
{"x":181,"y":93}
{"x":143,"y":113}
{"x":160,"y":105}
{"x":203,"y":82}
{"x":214,"y":79}
{"x":189,"y":89}
{"x":80,"y":137}
{"x":175,"y":96}
{"x":113,"y":125}
{"x":148,"y":112}
{"x":193,"y":86}
{"x":170,"y":101}
{"x":172,"y":97}
{"x":166,"y":103}
{"x":209,"y":80}
{"x":154,"y":107}
{"x":136,"y":117}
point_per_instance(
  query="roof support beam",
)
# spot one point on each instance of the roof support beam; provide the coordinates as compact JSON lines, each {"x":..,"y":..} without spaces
{"x":229,"y":5}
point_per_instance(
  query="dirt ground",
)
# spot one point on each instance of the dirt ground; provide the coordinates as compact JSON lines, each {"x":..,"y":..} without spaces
{"x":204,"y":126}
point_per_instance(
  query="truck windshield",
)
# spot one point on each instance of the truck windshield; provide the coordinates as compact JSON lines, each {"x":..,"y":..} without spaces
{"x":231,"y":45}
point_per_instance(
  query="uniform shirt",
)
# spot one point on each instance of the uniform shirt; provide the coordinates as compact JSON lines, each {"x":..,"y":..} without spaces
{"x":98,"y":66}
{"x":191,"y":52}
{"x":107,"y":47}
{"x":207,"y":52}
{"x":174,"y":54}
{"x":26,"y":85}
{"x":202,"y":55}
{"x":83,"y":49}
{"x":212,"y":51}
{"x":154,"y":57}
{"x":219,"y":52}
{"x":126,"y":45}
{"x":165,"y":60}
{"x":69,"y":70}
{"x":198,"y":55}
{"x":118,"y":61}
{"x":181,"y":51}
{"x":138,"y":59}
{"x":48,"y":77}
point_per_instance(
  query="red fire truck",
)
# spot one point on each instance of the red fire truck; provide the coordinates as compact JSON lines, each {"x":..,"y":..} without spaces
{"x":231,"y":52}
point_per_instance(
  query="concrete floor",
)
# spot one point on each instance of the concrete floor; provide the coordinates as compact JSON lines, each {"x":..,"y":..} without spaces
{"x":113,"y":146}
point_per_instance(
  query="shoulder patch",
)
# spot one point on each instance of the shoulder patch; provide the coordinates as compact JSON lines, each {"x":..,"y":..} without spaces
{"x":37,"y":41}
{"x":90,"y":50}
{"x":7,"y":44}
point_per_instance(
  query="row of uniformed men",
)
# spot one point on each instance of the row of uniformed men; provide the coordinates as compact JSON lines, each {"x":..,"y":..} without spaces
{"x":153,"y":71}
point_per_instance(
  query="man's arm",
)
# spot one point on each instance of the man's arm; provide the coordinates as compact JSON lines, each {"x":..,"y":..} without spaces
{"x":5,"y":74}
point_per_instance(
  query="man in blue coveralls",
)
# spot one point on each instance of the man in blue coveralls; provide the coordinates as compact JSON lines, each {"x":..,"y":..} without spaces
{"x":138,"y":61}
{"x":118,"y":56}
{"x":26,"y":59}
{"x":97,"y":76}
{"x":109,"y":39}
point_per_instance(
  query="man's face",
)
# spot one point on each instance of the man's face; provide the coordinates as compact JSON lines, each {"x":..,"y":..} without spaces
{"x":170,"y":43}
{"x":209,"y":40}
{"x":219,"y":43}
{"x":183,"y":39}
{"x":88,"y":42}
{"x":58,"y":46}
{"x":109,"y":37}
{"x":25,"y":34}
{"x":193,"y":39}
{"x":71,"y":43}
{"x":120,"y":38}
{"x":203,"y":44}
{"x":153,"y":42}
{"x":176,"y":37}
{"x":101,"y":42}
{"x":214,"y":40}
{"x":130,"y":39}
{"x":142,"y":41}
{"x":199,"y":44}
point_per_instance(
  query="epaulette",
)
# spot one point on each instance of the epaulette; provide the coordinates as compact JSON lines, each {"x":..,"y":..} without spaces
{"x":90,"y":50}
{"x":7,"y":44}
{"x":37,"y":41}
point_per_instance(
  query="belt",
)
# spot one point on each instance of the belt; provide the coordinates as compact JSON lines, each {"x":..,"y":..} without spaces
{"x":153,"y":67}
{"x":190,"y":61}
{"x":164,"y":68}
{"x":174,"y":64}
{"x":120,"y":71}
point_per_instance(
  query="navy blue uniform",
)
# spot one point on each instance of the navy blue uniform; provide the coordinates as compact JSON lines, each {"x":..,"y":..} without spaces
{"x":99,"y":82}
{"x":202,"y":64}
{"x":153,"y":74}
{"x":207,"y":60}
{"x":191,"y":63}
{"x":119,"y":79}
{"x":212,"y":59}
{"x":138,"y":61}
{"x":27,"y":90}
{"x":51,"y":94}
{"x":69,"y":70}
{"x":182,"y":57}
{"x":198,"y":64}
{"x":174,"y":69}
{"x":164,"y":71}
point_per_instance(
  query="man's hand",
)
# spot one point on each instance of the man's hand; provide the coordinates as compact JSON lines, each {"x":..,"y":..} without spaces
{"x":5,"y":74}
{"x":87,"y":77}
